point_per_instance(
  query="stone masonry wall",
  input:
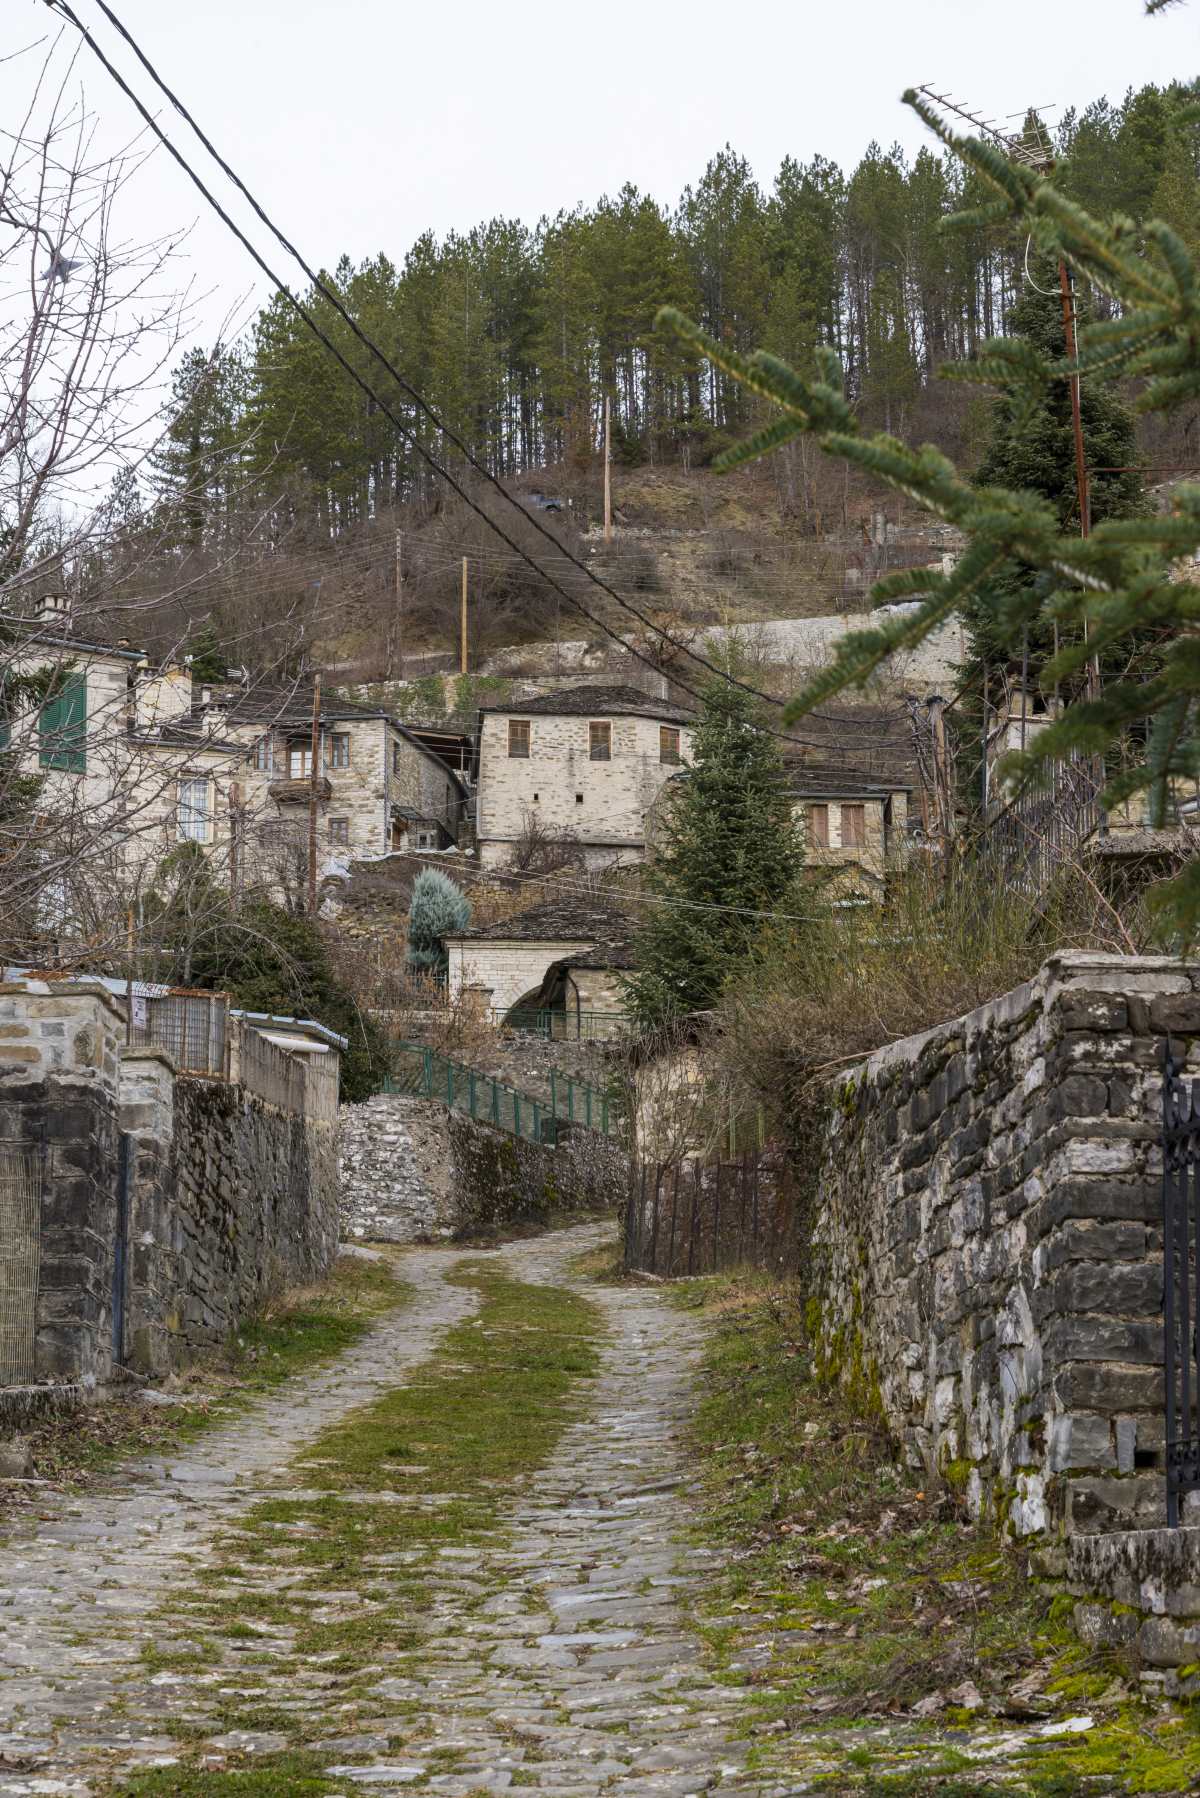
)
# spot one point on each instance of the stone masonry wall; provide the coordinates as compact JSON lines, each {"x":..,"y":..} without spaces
{"x":58,"y":1076}
{"x":602,"y":803}
{"x":988,"y":1245}
{"x":394,"y":1159}
{"x":500,"y":1180}
{"x":227,"y":1198}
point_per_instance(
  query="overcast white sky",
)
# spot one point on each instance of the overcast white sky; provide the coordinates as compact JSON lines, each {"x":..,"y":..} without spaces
{"x":360,"y":123}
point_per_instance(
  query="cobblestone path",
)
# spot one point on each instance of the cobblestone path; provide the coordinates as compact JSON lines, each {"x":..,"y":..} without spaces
{"x":556,"y":1657}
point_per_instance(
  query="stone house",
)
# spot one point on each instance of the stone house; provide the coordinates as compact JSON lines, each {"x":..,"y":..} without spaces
{"x":854,"y":826}
{"x":505,"y":965}
{"x":379,"y":789}
{"x":126,"y":771}
{"x":586,"y":764}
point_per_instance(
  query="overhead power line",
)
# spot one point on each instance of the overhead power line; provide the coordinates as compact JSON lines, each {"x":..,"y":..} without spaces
{"x":711,"y":668}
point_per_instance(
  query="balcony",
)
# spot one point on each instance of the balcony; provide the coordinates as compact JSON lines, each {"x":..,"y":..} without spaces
{"x":298,"y":792}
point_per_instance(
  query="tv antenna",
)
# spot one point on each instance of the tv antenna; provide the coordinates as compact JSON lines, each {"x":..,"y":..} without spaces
{"x":1031,"y":146}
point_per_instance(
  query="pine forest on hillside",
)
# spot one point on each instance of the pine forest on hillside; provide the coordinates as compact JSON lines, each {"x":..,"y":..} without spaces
{"x":272,"y":494}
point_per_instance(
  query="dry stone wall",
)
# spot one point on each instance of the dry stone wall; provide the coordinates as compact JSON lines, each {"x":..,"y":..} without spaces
{"x":988,"y":1244}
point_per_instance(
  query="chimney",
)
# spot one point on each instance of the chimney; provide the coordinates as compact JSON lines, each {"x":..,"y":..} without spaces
{"x":54,"y":609}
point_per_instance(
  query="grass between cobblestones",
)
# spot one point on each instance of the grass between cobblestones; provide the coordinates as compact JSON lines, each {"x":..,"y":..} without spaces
{"x":853,"y":1600}
{"x":332,"y":1578}
{"x":293,"y":1335}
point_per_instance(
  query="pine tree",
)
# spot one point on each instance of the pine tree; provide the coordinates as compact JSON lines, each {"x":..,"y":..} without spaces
{"x":728,"y":850}
{"x":437,"y":909}
{"x":1106,"y":591}
{"x":1032,"y":449}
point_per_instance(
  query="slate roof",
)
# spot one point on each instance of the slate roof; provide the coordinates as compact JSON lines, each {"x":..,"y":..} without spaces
{"x":290,"y":709}
{"x":595,"y":702}
{"x":566,"y":920}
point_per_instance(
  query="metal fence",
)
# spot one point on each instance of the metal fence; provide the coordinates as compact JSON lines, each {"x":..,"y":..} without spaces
{"x":564,"y":1026}
{"x":193,"y":1028}
{"x":1041,"y":832}
{"x":423,"y":1071}
{"x":20,"y":1259}
{"x":1181,"y":1281}
{"x":693,"y":1218}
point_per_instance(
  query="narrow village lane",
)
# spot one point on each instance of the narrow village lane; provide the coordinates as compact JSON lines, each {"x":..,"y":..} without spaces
{"x":554,"y":1656}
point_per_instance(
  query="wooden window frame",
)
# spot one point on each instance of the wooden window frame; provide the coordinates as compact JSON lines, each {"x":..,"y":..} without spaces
{"x":337,"y":749}
{"x":339,"y":832}
{"x":599,"y":740}
{"x":186,"y":811}
{"x":303,"y":753}
{"x":818,"y":826}
{"x":670,"y":745}
{"x":857,"y":838}
{"x":520,"y":739}
{"x":264,"y":754}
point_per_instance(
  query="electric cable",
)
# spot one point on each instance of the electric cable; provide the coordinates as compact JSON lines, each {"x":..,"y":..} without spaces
{"x":63,"y":7}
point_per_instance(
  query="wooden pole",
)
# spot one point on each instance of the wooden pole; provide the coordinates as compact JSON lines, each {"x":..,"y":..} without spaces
{"x":400,"y":606}
{"x":463,"y":621}
{"x":312,"y":797}
{"x":607,"y":467}
{"x":235,"y":801}
{"x":1067,"y":289}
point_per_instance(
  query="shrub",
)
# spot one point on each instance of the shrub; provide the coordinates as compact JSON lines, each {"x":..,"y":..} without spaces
{"x":437,"y":909}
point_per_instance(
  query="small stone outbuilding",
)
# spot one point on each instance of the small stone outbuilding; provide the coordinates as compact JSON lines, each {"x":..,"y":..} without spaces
{"x":566,"y":951}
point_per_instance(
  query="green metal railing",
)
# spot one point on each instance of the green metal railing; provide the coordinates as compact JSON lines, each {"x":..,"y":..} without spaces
{"x":423,"y":1071}
{"x":564,"y":1026}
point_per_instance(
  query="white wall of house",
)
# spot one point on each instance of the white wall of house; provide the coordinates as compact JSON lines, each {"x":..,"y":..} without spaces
{"x":602,"y":803}
{"x":499,"y":972}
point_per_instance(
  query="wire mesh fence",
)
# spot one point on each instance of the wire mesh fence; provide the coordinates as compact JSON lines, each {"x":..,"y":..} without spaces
{"x":690,"y":1218}
{"x":423,"y":1071}
{"x":193,"y":1028}
{"x":20,"y":1257}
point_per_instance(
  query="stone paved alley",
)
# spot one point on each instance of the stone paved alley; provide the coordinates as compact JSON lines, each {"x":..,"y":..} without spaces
{"x":556,"y":1659}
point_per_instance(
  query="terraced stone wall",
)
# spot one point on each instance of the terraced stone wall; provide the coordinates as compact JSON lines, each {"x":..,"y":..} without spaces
{"x":988,"y":1244}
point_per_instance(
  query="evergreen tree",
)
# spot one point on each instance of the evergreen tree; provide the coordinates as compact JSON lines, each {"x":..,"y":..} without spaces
{"x":728,"y":849}
{"x":208,"y":661}
{"x":1032,"y":449}
{"x":1107,"y":592}
{"x":437,"y":909}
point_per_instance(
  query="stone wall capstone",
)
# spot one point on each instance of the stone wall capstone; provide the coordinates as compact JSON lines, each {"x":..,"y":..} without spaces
{"x":988,"y":1244}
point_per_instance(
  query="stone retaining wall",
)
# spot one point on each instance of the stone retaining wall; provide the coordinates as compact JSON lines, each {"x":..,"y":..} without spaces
{"x":988,"y":1245}
{"x":500,"y":1180}
{"x":170,"y":1207}
{"x":395,"y":1177}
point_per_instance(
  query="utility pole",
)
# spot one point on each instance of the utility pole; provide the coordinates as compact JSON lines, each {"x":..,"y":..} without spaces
{"x":235,"y":825}
{"x":607,"y":468}
{"x":463,"y":621}
{"x":399,"y":615}
{"x":312,"y":797}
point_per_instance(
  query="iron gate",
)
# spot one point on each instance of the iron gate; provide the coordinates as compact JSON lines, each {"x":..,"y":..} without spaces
{"x":1181,"y":1280}
{"x":20,"y":1257}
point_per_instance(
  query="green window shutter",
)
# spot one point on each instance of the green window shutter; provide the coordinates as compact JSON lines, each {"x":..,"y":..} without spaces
{"x":62,"y":727}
